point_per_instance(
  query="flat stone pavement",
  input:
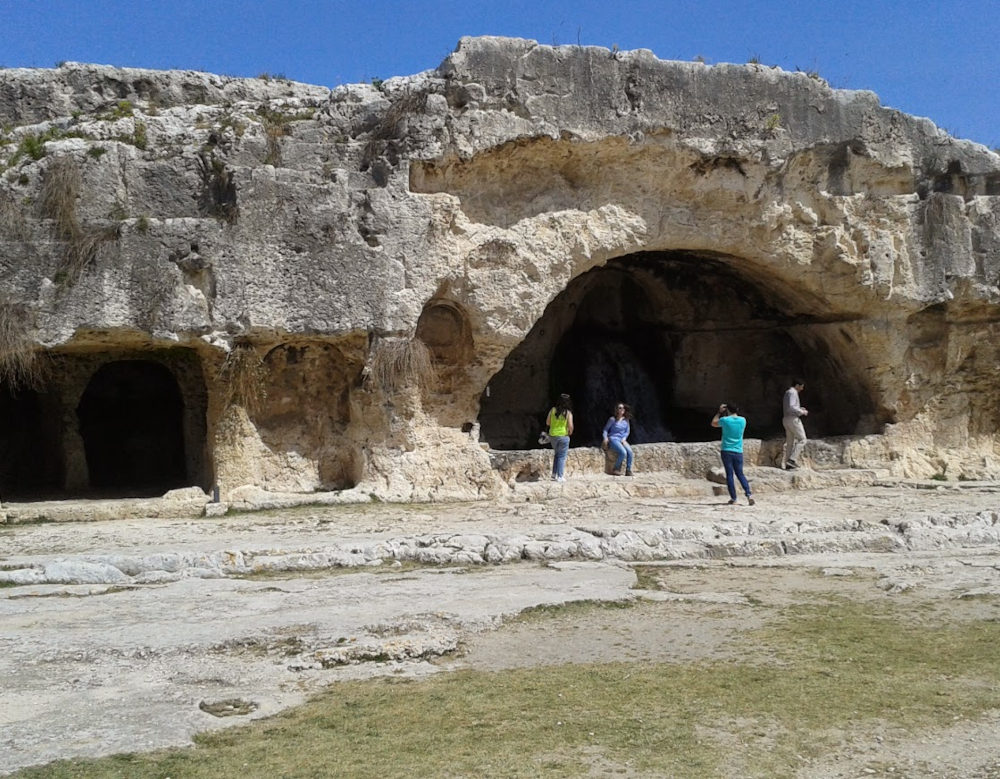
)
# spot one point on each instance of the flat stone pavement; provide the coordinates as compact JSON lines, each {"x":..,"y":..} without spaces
{"x":133,"y":634}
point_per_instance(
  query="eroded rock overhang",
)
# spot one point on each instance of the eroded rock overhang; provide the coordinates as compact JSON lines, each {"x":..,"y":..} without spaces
{"x":504,"y":218}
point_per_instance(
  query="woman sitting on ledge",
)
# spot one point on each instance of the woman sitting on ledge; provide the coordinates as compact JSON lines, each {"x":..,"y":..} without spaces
{"x":616,"y":432}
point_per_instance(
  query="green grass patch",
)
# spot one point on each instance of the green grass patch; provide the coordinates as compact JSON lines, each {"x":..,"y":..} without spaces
{"x":647,"y":577}
{"x":571,"y":608}
{"x":827,"y":670}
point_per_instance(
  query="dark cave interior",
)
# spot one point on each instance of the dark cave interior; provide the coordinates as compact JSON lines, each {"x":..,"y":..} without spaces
{"x":674,"y":334}
{"x":131,"y":421}
{"x":98,"y":426}
{"x":31,"y":459}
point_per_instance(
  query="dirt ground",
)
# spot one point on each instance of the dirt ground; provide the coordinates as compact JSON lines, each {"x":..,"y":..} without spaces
{"x":703,"y":606}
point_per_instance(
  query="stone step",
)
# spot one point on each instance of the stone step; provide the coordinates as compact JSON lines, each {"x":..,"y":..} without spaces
{"x":192,"y":502}
{"x":156,"y":552}
{"x":666,"y":484}
{"x":176,"y":504}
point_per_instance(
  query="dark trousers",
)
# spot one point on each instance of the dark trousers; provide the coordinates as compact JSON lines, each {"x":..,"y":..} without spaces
{"x":733,"y":463}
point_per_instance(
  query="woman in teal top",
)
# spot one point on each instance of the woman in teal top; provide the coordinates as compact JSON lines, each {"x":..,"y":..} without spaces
{"x":733,"y":425}
{"x":560,"y":422}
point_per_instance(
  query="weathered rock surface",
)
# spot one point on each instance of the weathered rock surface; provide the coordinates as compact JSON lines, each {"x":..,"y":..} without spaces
{"x":131,"y":635}
{"x":234,"y":282}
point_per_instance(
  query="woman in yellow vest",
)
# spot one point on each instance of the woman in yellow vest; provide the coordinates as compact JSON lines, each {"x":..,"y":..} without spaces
{"x":560,"y":422}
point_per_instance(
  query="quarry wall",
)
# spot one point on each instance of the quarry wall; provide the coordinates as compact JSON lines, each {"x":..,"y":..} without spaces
{"x":216,"y":281}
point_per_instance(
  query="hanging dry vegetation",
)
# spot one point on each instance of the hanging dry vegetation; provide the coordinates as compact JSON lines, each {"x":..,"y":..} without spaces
{"x":244,"y":377}
{"x":398,"y":363}
{"x":20,"y":365}
{"x":60,"y":191}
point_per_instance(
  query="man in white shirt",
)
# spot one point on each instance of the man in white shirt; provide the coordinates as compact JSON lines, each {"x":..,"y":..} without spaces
{"x":791,"y":417}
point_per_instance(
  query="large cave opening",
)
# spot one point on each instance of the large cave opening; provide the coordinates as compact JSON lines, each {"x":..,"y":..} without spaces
{"x":674,"y":334}
{"x":131,"y":419}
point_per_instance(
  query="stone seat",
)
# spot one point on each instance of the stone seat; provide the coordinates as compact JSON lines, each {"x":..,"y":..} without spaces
{"x":666,"y":484}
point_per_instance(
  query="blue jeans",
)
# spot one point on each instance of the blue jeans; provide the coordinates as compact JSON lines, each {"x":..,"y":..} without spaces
{"x":623,"y":450}
{"x":560,"y":445}
{"x":733,"y":463}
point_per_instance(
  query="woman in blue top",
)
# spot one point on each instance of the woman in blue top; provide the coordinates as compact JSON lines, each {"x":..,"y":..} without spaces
{"x":728,"y":418}
{"x":616,"y":431}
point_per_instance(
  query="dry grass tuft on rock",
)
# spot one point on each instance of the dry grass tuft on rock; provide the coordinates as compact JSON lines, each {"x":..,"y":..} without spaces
{"x":398,"y":363}
{"x":391,"y":124}
{"x":245,"y":377}
{"x":20,"y":364}
{"x":60,"y":191}
{"x":218,"y":194}
{"x":12,"y":221}
{"x":274,"y":133}
{"x":82,"y":250}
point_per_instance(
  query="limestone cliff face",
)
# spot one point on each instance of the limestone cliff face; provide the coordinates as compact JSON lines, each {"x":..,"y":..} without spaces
{"x":241,"y":281}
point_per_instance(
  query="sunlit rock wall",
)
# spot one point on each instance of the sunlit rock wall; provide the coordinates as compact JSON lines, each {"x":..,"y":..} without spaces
{"x":315,"y":247}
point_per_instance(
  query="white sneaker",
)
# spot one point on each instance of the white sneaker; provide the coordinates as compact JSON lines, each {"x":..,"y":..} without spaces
{"x":560,"y":478}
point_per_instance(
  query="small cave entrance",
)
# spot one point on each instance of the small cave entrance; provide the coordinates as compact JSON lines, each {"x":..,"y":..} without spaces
{"x":131,"y":419}
{"x":674,"y":334}
{"x":31,"y":456}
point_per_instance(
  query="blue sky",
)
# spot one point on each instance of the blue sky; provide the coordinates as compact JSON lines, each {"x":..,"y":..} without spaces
{"x":933,"y":58}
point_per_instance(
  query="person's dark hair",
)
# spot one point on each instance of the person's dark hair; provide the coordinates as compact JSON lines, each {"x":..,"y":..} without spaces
{"x":798,"y":382}
{"x":731,"y":409}
{"x":563,"y":405}
{"x":627,"y":408}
